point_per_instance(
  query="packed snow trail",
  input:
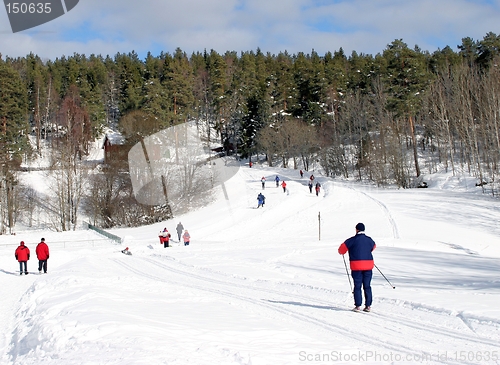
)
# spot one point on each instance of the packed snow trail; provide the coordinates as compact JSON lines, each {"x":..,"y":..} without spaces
{"x":257,"y":286}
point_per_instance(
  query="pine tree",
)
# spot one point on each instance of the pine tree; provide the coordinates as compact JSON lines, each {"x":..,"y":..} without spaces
{"x":179,"y":83}
{"x":129,"y":72}
{"x":13,"y":118}
{"x":469,"y":50}
{"x":282,"y":84}
{"x":155,"y":101}
{"x":36,"y":81}
{"x":488,"y":49}
{"x":311,"y":87}
{"x":408,"y":78}
{"x":13,"y":139}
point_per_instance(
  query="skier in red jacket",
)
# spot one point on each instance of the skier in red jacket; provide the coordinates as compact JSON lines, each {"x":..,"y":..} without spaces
{"x":165,"y":237}
{"x":22,"y":255}
{"x":42,"y":253}
{"x":283,"y":184}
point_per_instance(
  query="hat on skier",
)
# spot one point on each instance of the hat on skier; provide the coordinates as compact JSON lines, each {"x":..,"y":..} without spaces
{"x":43,"y":240}
{"x":22,"y":243}
{"x":360,"y":227}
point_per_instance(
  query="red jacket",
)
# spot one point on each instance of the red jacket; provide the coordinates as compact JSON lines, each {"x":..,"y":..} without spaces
{"x":42,"y":251}
{"x":22,"y":253}
{"x":165,"y":236}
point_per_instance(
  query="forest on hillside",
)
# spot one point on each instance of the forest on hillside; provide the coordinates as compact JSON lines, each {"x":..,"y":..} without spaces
{"x":368,"y":117}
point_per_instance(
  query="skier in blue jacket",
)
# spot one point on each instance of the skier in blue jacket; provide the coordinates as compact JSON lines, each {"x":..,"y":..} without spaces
{"x":261,"y":200}
{"x":360,"y":249}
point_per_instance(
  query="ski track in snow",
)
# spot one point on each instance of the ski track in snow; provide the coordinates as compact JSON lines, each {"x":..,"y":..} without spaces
{"x":319,"y":315}
{"x":386,"y":211}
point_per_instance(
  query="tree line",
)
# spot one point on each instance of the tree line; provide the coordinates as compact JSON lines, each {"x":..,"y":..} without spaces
{"x":389,"y":118}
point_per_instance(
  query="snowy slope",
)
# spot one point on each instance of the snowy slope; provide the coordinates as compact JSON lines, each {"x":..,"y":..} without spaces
{"x":258,"y":286}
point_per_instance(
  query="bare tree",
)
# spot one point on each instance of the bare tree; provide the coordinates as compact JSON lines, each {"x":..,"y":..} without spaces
{"x":69,"y":177}
{"x":289,"y":139}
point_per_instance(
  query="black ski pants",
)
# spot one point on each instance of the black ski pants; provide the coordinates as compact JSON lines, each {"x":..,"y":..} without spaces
{"x":42,"y":264}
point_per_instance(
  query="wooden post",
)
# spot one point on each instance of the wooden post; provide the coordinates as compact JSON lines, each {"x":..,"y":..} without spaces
{"x":319,"y":226}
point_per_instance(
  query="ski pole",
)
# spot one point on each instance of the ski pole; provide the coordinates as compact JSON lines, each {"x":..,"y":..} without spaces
{"x":385,"y":277}
{"x":347,"y":272}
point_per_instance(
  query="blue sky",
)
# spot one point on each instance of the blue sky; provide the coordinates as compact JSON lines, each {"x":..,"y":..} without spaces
{"x":365,"y":26}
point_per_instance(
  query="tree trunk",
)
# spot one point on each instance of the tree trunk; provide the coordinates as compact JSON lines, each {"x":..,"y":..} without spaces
{"x":414,"y":142}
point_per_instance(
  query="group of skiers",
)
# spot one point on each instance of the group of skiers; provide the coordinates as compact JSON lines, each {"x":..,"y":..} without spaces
{"x":317,"y":186}
{"x":22,"y":255}
{"x":261,"y":198}
{"x":165,"y":236}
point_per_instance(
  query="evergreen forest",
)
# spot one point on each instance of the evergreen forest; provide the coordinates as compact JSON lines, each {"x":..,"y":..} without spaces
{"x":388,"y":119}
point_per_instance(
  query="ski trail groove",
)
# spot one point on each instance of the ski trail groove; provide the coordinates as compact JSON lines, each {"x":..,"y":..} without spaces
{"x":331,"y":328}
{"x":324,"y":323}
{"x":386,"y":211}
{"x":386,"y":318}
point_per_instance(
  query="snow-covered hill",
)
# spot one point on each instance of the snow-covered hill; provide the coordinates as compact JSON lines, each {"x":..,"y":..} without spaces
{"x":266,"y":286}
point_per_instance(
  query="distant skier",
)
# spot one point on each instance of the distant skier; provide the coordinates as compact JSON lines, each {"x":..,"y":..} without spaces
{"x":277,"y":179}
{"x":261,"y":199}
{"x":311,"y":177}
{"x":263,"y":181}
{"x":360,"y":249}
{"x":126,"y":251}
{"x":310,"y":186}
{"x":22,"y":256}
{"x":179,"y":230}
{"x":283,"y":185}
{"x":42,"y":253}
{"x":165,"y":237}
{"x":301,"y":173}
{"x":187,"y":238}
{"x":318,"y":188}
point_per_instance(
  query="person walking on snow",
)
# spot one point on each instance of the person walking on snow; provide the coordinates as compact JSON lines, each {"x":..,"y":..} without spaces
{"x":187,"y":238}
{"x":301,"y":173}
{"x":179,"y":230}
{"x":318,"y":187}
{"x":165,"y":237}
{"x":42,"y":253}
{"x":277,"y":179}
{"x":310,"y":186}
{"x":261,"y":200}
{"x":263,"y":181}
{"x":283,"y":184}
{"x":22,"y":256}
{"x":360,"y":249}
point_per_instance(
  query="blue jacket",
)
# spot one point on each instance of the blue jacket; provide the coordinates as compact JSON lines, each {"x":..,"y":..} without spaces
{"x":360,"y":249}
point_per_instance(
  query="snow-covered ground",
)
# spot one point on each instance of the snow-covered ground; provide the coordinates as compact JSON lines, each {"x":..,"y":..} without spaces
{"x":266,"y":286}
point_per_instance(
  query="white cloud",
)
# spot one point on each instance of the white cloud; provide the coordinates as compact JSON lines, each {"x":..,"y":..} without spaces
{"x":366,"y":26}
